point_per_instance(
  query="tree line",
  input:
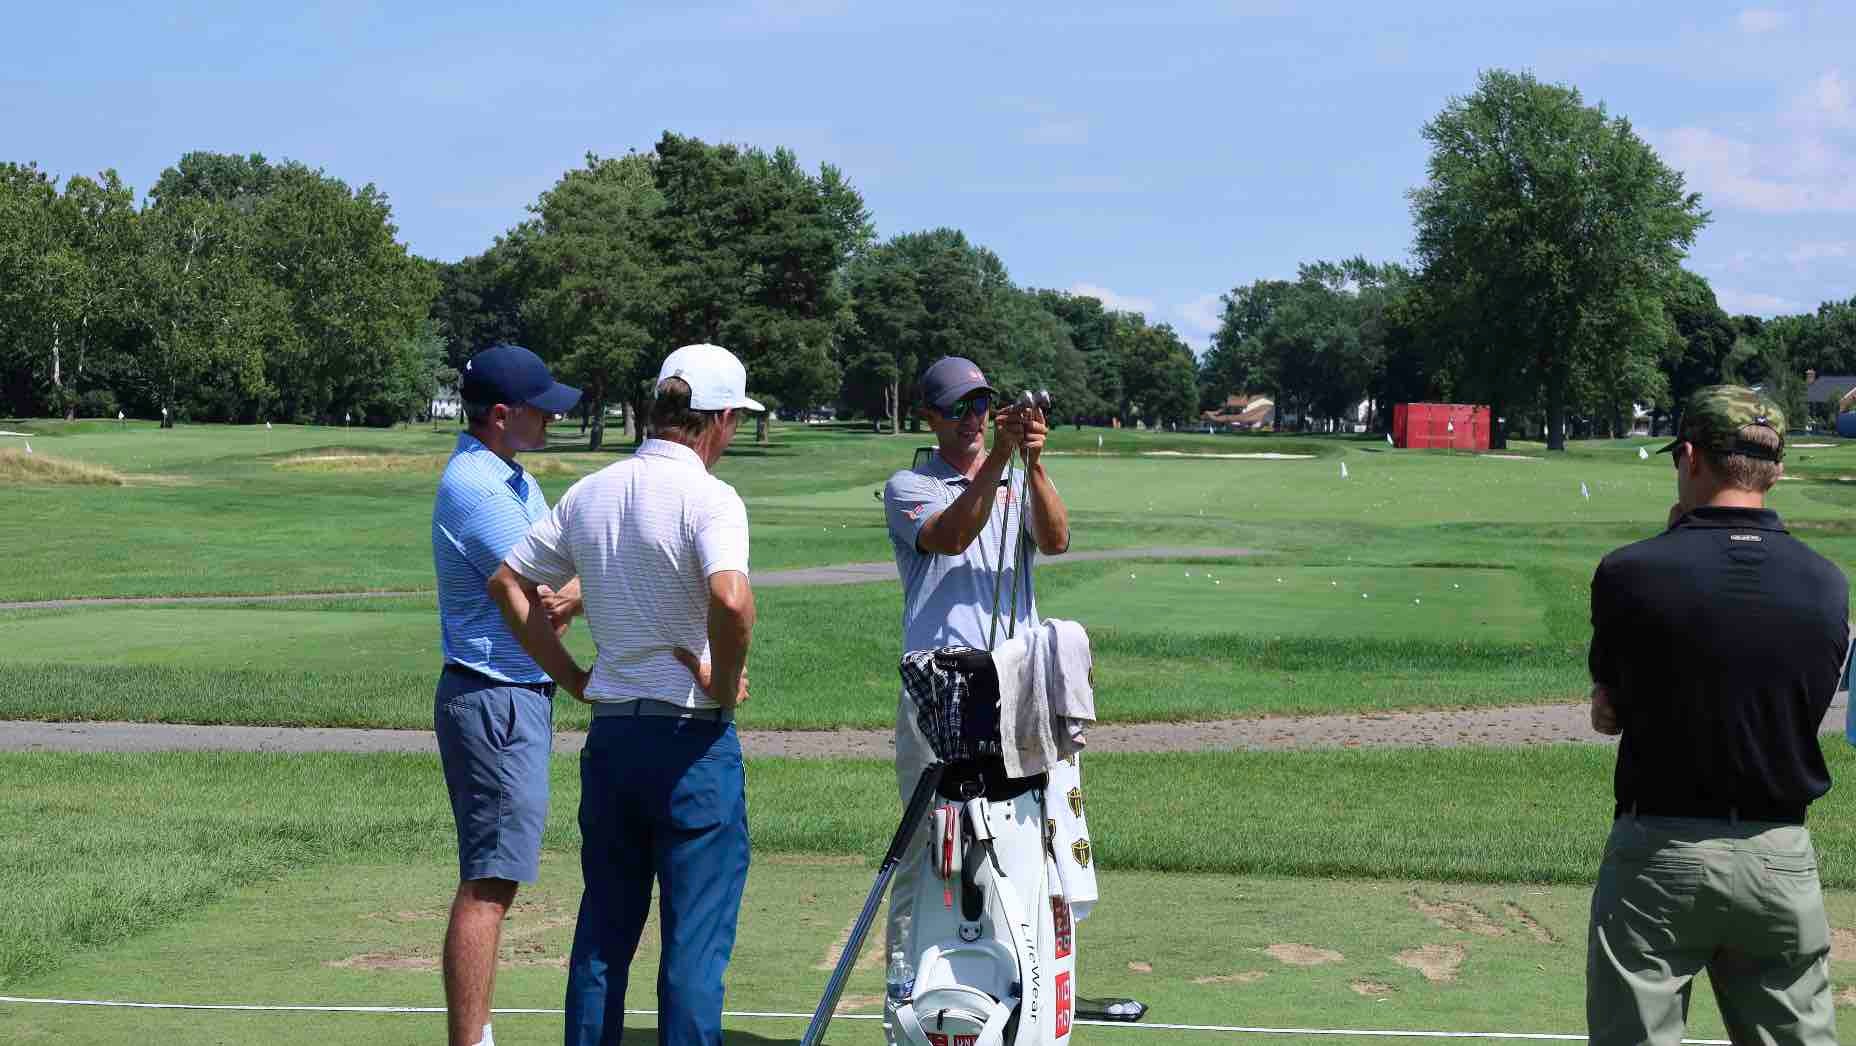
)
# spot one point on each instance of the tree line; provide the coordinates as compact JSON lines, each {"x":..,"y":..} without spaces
{"x":242,"y":290}
{"x":1545,"y":280}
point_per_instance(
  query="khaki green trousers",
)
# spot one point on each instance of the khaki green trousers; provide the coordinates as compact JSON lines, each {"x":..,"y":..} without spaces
{"x":1739,"y":899}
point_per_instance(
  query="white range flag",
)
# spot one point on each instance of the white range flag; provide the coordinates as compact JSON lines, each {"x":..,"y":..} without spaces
{"x":1642,"y":454}
{"x":28,"y":446}
{"x":1583,"y":489}
{"x":1343,"y":470}
{"x":1098,"y":442}
{"x":119,"y":416}
{"x":267,"y":426}
{"x":1389,"y":442}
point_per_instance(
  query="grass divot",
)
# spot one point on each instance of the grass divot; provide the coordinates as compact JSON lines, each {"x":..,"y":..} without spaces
{"x":17,"y":466}
{"x":1247,"y":977}
{"x":1437,"y":962}
{"x":1458,"y":915}
{"x":1370,"y":989}
{"x":1302,"y":954}
{"x":1527,"y":921}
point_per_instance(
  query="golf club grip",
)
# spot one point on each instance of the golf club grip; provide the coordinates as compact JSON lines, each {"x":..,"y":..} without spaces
{"x":911,"y":818}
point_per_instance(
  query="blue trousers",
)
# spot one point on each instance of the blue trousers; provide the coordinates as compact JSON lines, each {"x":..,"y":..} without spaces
{"x":661,"y":799}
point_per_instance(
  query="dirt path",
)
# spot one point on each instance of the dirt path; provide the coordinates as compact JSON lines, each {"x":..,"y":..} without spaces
{"x":841,"y":574}
{"x":1518,"y":725}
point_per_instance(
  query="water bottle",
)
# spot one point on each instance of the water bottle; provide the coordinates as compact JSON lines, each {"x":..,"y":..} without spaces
{"x":898,"y":987}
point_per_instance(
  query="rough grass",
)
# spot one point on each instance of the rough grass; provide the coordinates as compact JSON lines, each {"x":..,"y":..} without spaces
{"x":17,"y":466}
{"x":373,"y":459}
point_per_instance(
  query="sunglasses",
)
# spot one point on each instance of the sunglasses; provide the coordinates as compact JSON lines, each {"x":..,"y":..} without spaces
{"x":960,"y":408}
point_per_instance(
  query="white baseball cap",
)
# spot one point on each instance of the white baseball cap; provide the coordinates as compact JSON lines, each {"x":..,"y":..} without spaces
{"x":717,"y":380}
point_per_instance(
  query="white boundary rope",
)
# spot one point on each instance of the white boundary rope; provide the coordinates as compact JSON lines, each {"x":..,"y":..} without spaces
{"x":1234,"y":1029}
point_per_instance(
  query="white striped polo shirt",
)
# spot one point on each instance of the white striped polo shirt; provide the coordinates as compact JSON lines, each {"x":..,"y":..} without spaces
{"x":643,"y":535}
{"x":484,"y":505}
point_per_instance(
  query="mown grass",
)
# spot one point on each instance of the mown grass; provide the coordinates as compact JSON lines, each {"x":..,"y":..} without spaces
{"x":110,"y":846}
{"x":1167,"y":646}
{"x":1195,"y":948}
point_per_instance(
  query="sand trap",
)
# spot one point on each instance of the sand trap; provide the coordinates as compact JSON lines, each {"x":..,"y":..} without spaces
{"x":1237,"y":457}
{"x":3,"y":432}
{"x":1795,"y":446}
{"x":1509,"y":457}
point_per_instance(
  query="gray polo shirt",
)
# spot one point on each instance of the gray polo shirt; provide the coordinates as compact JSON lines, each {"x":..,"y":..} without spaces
{"x":948,"y":600}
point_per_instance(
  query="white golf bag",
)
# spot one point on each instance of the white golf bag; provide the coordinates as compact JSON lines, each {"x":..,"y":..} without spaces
{"x":992,"y":961}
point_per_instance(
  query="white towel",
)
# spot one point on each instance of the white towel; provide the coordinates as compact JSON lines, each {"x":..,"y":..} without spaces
{"x":1076,"y":863}
{"x":1045,"y":696}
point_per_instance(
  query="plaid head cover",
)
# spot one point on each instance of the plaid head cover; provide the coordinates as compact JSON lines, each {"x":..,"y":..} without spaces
{"x":941,"y":691}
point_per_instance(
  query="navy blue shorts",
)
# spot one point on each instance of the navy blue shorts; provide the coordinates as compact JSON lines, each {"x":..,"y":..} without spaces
{"x":494,"y":742}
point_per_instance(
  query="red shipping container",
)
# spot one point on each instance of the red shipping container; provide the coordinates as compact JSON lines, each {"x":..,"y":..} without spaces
{"x":1453,"y":426}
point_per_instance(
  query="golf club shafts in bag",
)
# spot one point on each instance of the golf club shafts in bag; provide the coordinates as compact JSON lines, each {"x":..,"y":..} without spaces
{"x":912,"y":816}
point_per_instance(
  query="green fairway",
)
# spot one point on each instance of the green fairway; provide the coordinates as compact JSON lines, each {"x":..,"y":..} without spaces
{"x":1197,"y":949}
{"x":1167,"y":646}
{"x":110,"y":847}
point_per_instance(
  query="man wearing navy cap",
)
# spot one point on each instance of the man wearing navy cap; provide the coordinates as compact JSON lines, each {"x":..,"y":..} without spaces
{"x":494,"y":711}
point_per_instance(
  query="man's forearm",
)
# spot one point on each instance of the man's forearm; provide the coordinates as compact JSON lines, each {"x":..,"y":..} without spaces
{"x":1051,"y":521}
{"x":731,"y":629}
{"x":959,"y":523}
{"x":519,"y":602}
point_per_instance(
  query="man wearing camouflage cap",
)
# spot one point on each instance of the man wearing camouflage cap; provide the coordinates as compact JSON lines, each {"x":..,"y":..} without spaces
{"x":1716,"y":648}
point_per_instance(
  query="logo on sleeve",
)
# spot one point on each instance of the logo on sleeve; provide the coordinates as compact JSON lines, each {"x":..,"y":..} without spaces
{"x":916,"y":512}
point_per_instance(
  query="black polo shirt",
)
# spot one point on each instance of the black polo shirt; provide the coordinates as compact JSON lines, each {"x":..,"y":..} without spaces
{"x":1720,"y":642}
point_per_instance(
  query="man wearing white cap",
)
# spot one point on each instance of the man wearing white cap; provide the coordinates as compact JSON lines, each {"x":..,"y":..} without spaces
{"x":661,"y":550}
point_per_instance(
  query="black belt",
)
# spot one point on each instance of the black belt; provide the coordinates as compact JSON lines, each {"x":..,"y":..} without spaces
{"x":544,"y":689}
{"x":659,"y":709}
{"x":1782,"y":813}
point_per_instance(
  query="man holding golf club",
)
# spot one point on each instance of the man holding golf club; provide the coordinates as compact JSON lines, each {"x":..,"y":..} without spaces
{"x":966,"y":527}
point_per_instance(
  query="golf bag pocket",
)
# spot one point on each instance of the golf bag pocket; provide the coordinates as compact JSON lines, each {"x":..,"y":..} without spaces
{"x":984,"y":940}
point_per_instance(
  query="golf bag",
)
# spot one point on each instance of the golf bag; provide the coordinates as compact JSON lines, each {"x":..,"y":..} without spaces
{"x":992,"y":959}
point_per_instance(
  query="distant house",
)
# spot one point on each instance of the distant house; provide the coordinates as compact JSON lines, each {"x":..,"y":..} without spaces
{"x":446,"y":404}
{"x":1833,"y":391}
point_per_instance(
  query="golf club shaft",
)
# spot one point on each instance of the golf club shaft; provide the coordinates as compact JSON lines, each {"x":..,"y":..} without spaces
{"x":912,"y":816}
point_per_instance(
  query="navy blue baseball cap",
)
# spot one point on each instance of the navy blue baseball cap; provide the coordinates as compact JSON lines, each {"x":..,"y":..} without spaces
{"x":950,"y":379}
{"x":513,"y":376}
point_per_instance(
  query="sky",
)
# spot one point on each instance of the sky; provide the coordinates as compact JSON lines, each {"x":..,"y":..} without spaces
{"x":1153,"y":154}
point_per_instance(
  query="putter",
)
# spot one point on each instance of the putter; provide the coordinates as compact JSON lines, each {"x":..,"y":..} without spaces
{"x":912,"y":816}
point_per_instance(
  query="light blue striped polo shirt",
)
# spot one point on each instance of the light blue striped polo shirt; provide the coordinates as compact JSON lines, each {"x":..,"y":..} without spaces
{"x":484,"y":506}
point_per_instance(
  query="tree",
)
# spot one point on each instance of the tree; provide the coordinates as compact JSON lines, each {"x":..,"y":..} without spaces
{"x":750,"y":246}
{"x":917,"y":298}
{"x":592,"y":283}
{"x":85,"y":283}
{"x":1702,"y":335}
{"x":1542,"y":223}
{"x":28,"y":234}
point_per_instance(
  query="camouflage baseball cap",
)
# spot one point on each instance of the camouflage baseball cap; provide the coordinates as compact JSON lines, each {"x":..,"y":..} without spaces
{"x":1714,"y":416}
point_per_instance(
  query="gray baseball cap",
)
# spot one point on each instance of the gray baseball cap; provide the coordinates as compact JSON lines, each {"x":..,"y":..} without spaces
{"x":950,"y":379}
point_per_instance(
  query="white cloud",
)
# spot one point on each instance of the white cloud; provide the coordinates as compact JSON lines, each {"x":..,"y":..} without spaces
{"x":1807,"y":253}
{"x":1762,"y":19}
{"x":1804,"y":175}
{"x":1738,"y":302}
{"x":1059,"y":132}
{"x":1111,"y":300}
{"x":1828,"y":102}
{"x":1199,"y":318}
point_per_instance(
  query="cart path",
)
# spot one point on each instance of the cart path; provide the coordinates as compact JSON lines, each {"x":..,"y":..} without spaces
{"x":1511,"y":725}
{"x":841,"y":574}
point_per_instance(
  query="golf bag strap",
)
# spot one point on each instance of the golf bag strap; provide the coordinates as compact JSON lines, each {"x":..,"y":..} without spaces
{"x":991,"y":1034}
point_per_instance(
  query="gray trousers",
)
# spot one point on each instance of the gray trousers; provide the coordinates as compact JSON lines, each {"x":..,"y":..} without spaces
{"x":1739,"y":899}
